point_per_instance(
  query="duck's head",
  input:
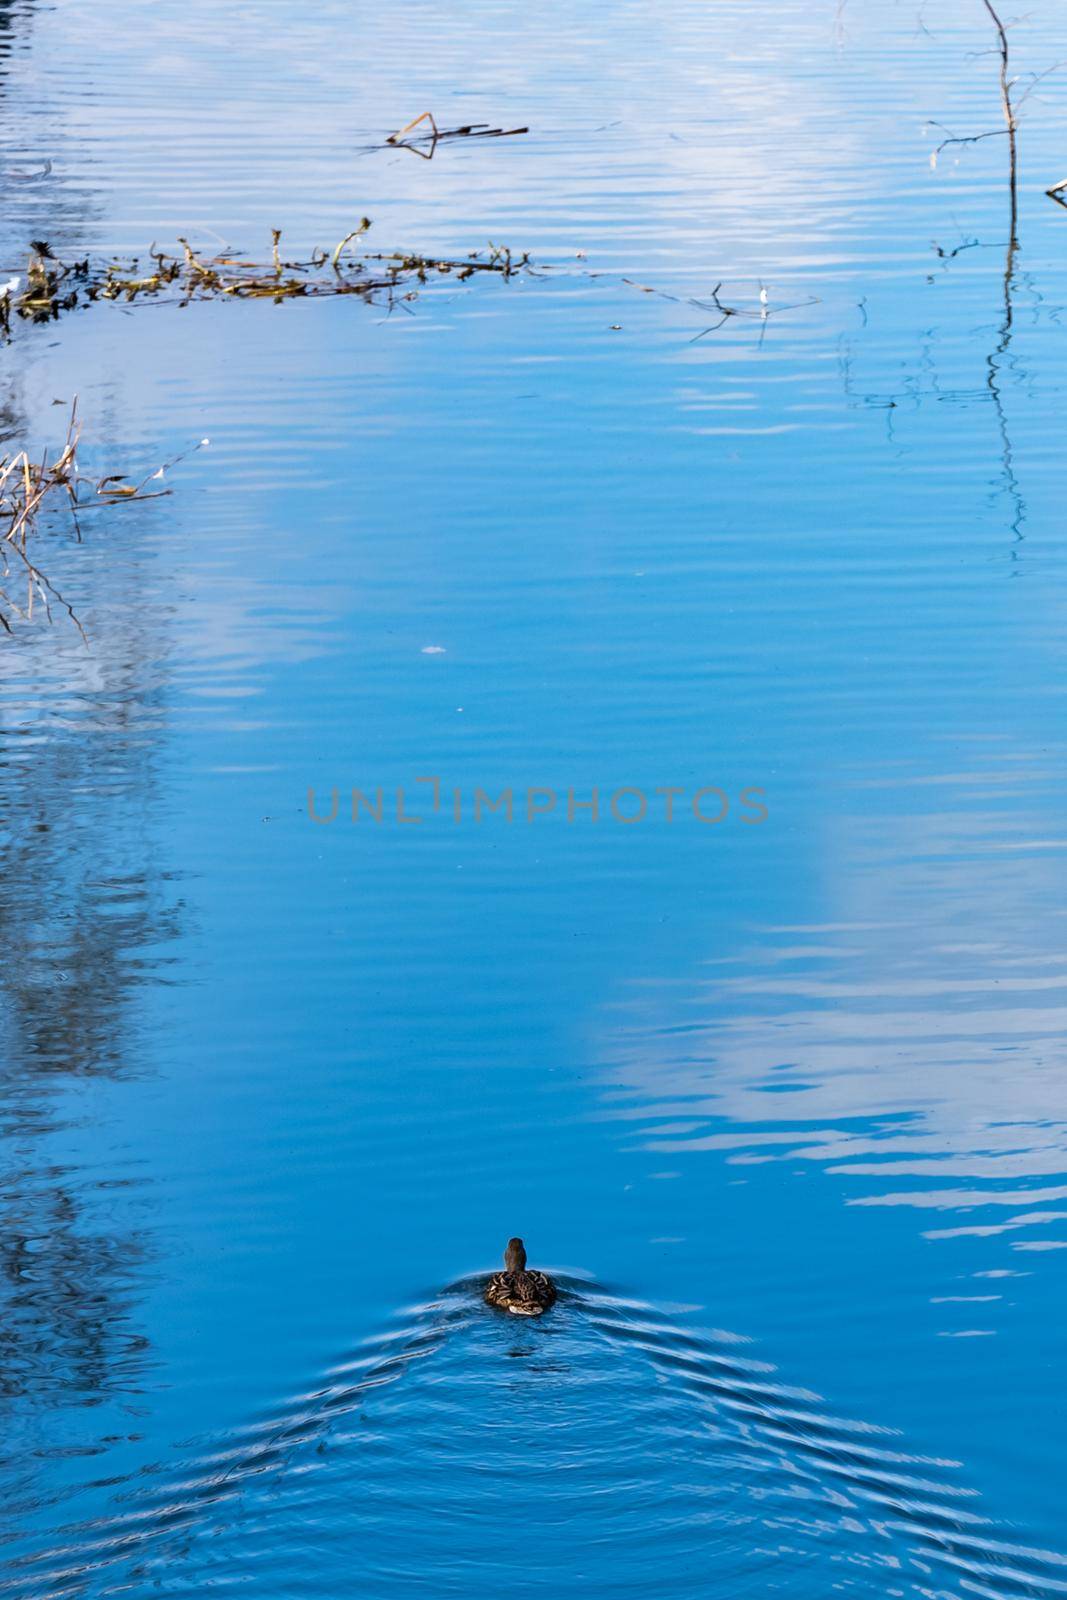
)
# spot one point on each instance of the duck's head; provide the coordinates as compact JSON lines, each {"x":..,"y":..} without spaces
{"x":515,"y":1256}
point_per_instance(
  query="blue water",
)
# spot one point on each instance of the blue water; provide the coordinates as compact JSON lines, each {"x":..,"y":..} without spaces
{"x":780,"y":1097}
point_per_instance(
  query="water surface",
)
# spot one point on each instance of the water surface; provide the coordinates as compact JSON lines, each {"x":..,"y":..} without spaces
{"x":782,"y":1099}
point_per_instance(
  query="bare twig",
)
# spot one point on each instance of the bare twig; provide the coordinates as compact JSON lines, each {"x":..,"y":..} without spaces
{"x":1035,"y":79}
{"x":760,"y":313}
{"x":999,"y":355}
{"x":424,"y":116}
{"x":28,"y":489}
{"x":965,"y":138}
{"x":1010,"y":122}
{"x":470,"y":130}
{"x":950,"y":255}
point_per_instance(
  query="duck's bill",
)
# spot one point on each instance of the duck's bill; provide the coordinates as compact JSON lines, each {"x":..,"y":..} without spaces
{"x":526,"y":1311}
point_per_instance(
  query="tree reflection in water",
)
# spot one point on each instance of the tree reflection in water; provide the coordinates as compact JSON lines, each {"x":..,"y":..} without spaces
{"x":81,"y":904}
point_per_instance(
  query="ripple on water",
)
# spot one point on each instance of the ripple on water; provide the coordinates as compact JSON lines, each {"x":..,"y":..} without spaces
{"x":615,"y":1442}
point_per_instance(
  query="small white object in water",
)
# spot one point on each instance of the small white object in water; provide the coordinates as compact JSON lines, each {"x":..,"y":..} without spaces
{"x":433,"y":650}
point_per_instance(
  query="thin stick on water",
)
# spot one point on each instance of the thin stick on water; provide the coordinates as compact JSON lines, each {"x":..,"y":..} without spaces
{"x":1011,"y":125}
{"x":470,"y":130}
{"x":28,"y":490}
{"x":424,"y":116}
{"x":997,"y":357}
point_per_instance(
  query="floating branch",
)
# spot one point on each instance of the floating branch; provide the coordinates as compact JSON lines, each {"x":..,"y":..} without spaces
{"x":29,"y":490}
{"x":436,"y":136}
{"x":760,"y":312}
{"x":52,"y":286}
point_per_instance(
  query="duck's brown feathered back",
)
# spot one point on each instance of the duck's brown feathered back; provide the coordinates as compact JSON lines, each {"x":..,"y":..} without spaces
{"x":524,"y":1293}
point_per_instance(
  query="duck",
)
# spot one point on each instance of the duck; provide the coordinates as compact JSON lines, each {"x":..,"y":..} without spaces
{"x":523,"y":1293}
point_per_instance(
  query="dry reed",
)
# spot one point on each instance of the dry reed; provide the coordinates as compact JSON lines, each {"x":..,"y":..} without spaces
{"x":29,"y":491}
{"x":53,"y":286}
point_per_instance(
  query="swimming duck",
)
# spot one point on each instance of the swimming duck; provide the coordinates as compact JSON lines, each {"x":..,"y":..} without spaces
{"x":524,"y":1294}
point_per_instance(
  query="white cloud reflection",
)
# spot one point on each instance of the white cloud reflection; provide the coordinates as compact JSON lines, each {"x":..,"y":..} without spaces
{"x":922,"y":1067}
